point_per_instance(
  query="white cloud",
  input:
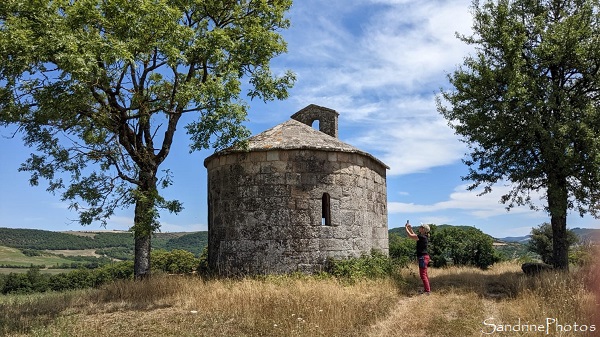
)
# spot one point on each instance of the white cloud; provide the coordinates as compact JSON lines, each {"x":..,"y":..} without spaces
{"x":382,"y":73}
{"x":479,"y":206}
{"x":119,"y":222}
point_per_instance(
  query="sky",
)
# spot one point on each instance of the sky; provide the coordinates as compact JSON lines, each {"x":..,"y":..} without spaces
{"x":380,"y":65}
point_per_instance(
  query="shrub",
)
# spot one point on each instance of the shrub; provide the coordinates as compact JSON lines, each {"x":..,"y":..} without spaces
{"x":402,"y":249}
{"x":541,"y":241}
{"x":17,"y":283}
{"x":463,"y":246}
{"x":582,"y":254}
{"x":177,"y":261}
{"x":376,"y":265}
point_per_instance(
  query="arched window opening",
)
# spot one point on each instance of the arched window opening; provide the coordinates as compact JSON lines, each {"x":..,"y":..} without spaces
{"x":326,"y":210}
{"x":316,"y":124}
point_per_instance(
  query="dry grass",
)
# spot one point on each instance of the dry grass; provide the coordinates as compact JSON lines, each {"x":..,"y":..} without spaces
{"x":462,"y":299}
{"x":471,"y":302}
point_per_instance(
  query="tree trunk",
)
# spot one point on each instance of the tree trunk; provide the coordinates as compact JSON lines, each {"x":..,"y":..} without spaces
{"x":141,"y":265}
{"x":144,"y":223}
{"x":560,"y":246}
{"x":557,"y":204}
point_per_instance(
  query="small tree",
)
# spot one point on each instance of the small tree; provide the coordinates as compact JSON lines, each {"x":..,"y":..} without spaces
{"x":541,"y":241}
{"x":177,"y":261}
{"x":401,"y":248}
{"x":464,"y":246}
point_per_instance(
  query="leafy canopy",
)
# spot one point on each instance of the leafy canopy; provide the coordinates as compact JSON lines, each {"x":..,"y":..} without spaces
{"x":527,"y":103}
{"x":98,"y":88}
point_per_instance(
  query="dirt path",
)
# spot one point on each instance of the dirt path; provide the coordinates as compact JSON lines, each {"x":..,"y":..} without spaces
{"x":392,"y":325}
{"x":411,"y":317}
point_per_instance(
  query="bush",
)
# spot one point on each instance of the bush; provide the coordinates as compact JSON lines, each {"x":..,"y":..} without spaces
{"x":17,"y":283}
{"x":376,"y":265}
{"x":541,"y":241}
{"x":402,"y":249}
{"x":582,"y":254}
{"x":177,"y":261}
{"x":31,"y":252}
{"x":462,"y":246}
{"x":34,"y":281}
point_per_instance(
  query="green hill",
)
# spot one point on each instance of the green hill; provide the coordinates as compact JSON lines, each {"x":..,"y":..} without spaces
{"x":48,"y":240}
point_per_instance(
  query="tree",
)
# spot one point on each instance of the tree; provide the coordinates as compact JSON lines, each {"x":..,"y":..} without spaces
{"x":541,"y":241}
{"x":402,"y":248}
{"x":177,"y":261}
{"x":464,"y":246}
{"x":527,"y":104}
{"x":98,"y":88}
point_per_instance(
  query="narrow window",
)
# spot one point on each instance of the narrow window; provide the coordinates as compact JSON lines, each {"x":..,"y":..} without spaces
{"x":316,"y":124}
{"x":326,"y":210}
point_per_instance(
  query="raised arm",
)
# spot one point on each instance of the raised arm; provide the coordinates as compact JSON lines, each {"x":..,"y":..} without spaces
{"x":410,"y":232}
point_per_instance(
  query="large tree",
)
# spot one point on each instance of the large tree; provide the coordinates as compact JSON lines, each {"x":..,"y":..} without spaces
{"x":99,"y":87}
{"x":527,"y":103}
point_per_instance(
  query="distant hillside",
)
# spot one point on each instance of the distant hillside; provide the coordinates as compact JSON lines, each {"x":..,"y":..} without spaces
{"x":49,"y":240}
{"x":586,"y":234}
{"x":519,"y":239}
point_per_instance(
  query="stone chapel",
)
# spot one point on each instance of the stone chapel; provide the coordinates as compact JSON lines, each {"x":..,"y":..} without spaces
{"x":293,"y":199}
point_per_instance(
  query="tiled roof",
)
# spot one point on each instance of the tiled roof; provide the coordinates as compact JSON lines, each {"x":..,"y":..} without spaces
{"x":294,"y":135}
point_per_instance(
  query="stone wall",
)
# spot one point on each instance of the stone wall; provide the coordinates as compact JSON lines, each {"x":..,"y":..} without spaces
{"x":266,"y":209}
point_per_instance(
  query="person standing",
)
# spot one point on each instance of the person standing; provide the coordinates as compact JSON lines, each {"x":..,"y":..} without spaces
{"x":422,"y":242}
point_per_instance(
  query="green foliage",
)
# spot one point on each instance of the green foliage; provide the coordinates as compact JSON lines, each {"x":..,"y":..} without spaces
{"x":541,"y":242}
{"x":31,"y":252}
{"x":98,"y":89}
{"x":515,"y":251}
{"x":402,"y":249}
{"x":582,"y":254}
{"x":113,"y":245}
{"x":35,"y":239}
{"x":462,"y":246}
{"x":375,"y":265}
{"x":526,"y":104}
{"x":192,"y":242}
{"x":119,"y":253}
{"x":174,"y":262}
{"x":203,"y":268}
{"x":33,"y":281}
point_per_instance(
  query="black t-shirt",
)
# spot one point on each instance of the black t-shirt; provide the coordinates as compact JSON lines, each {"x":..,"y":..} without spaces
{"x":422,"y":245}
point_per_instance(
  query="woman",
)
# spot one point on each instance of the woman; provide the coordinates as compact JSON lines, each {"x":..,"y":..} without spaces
{"x":422,"y":241}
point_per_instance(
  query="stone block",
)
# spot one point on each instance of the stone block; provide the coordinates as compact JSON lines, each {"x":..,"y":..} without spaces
{"x":272,"y":155}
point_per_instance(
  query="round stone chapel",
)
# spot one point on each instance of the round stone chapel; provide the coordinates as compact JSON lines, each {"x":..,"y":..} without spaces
{"x":293,"y":199}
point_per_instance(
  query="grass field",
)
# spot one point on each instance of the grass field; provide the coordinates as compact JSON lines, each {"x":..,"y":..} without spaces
{"x":13,"y":256}
{"x":74,"y":252}
{"x":24,"y":270}
{"x":464,"y":302}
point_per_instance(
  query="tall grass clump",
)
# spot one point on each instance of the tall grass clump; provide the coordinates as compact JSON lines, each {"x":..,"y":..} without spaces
{"x":373,"y":266}
{"x":21,"y":313}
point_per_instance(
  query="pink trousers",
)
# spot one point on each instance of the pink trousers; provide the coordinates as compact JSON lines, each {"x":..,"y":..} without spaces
{"x":423,"y":262}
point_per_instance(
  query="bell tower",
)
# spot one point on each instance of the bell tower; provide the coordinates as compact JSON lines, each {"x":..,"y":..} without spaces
{"x":328,"y":118}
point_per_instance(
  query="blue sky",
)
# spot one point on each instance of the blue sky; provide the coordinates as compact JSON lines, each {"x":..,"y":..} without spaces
{"x":379,"y":63}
